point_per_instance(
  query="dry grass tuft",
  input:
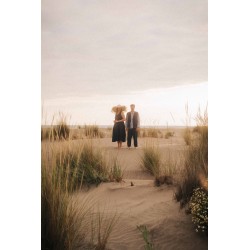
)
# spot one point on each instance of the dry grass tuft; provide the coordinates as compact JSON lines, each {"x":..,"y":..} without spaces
{"x":152,"y":162}
{"x":116,"y":172}
{"x":151,"y":159}
{"x":102,"y":225}
{"x":169,"y":134}
{"x":187,"y":135}
{"x":93,"y":131}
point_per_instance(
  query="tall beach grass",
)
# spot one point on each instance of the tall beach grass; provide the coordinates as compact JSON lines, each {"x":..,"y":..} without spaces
{"x":93,"y":131}
{"x":116,"y":172}
{"x":58,"y":130}
{"x":66,"y":168}
{"x":62,"y":220}
{"x":152,"y":161}
{"x":195,"y":171}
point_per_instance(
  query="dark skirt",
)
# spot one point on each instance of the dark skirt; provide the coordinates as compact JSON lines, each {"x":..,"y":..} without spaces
{"x":119,"y":133}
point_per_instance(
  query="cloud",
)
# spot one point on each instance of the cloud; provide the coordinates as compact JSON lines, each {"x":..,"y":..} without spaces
{"x":115,"y":47}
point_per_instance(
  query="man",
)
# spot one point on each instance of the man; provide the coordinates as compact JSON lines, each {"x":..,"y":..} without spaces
{"x":132,"y":126}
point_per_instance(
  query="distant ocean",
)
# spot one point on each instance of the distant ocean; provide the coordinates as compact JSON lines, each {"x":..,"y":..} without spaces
{"x":110,"y":126}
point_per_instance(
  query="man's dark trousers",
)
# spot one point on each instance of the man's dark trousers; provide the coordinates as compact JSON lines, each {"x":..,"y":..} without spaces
{"x":132,"y":133}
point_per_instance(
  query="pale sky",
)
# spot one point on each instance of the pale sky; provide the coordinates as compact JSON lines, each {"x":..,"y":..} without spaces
{"x":99,"y":53}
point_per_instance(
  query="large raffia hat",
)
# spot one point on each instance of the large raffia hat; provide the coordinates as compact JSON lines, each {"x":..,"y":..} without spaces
{"x":115,"y":108}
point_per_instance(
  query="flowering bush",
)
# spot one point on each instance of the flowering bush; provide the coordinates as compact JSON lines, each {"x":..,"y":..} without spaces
{"x":199,"y":209}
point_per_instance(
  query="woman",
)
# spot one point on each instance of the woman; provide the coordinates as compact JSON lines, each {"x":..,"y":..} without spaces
{"x":119,"y":133}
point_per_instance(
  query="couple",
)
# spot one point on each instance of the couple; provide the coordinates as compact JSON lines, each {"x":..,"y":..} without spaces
{"x":132,"y":125}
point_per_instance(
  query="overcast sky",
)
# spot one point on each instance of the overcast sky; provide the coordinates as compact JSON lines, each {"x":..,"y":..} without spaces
{"x":108,"y":50}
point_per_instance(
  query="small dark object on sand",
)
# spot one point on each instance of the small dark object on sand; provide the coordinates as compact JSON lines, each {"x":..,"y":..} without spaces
{"x":132,"y":184}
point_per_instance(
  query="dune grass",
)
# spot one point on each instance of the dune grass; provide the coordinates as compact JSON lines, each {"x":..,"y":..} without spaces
{"x":68,"y":224}
{"x":167,"y":171}
{"x":45,"y":133}
{"x":65,"y":221}
{"x":169,"y":134}
{"x":82,"y":164}
{"x":116,"y":172}
{"x":150,"y":132}
{"x":93,"y":131}
{"x":151,"y":159}
{"x":59,"y":130}
{"x":61,"y":219}
{"x":152,"y":162}
{"x":195,"y":172}
{"x":154,"y":132}
{"x":187,"y":135}
{"x":102,"y":225}
{"x":145,"y":234}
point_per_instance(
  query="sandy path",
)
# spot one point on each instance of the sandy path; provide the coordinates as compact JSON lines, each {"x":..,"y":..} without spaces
{"x":145,"y":204}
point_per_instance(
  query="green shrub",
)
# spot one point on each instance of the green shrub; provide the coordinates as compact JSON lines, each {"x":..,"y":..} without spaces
{"x":199,"y":209}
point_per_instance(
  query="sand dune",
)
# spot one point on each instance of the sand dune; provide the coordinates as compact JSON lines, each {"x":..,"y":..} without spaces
{"x":145,"y":204}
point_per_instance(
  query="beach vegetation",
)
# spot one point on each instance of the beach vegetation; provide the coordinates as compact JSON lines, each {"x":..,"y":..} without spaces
{"x":145,"y":234}
{"x":195,"y":172}
{"x":199,"y":209}
{"x":151,"y":159}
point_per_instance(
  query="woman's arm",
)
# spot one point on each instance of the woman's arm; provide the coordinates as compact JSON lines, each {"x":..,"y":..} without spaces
{"x":123,"y":117}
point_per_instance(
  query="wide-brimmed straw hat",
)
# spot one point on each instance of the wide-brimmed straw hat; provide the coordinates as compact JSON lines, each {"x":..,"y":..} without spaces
{"x":114,"y":109}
